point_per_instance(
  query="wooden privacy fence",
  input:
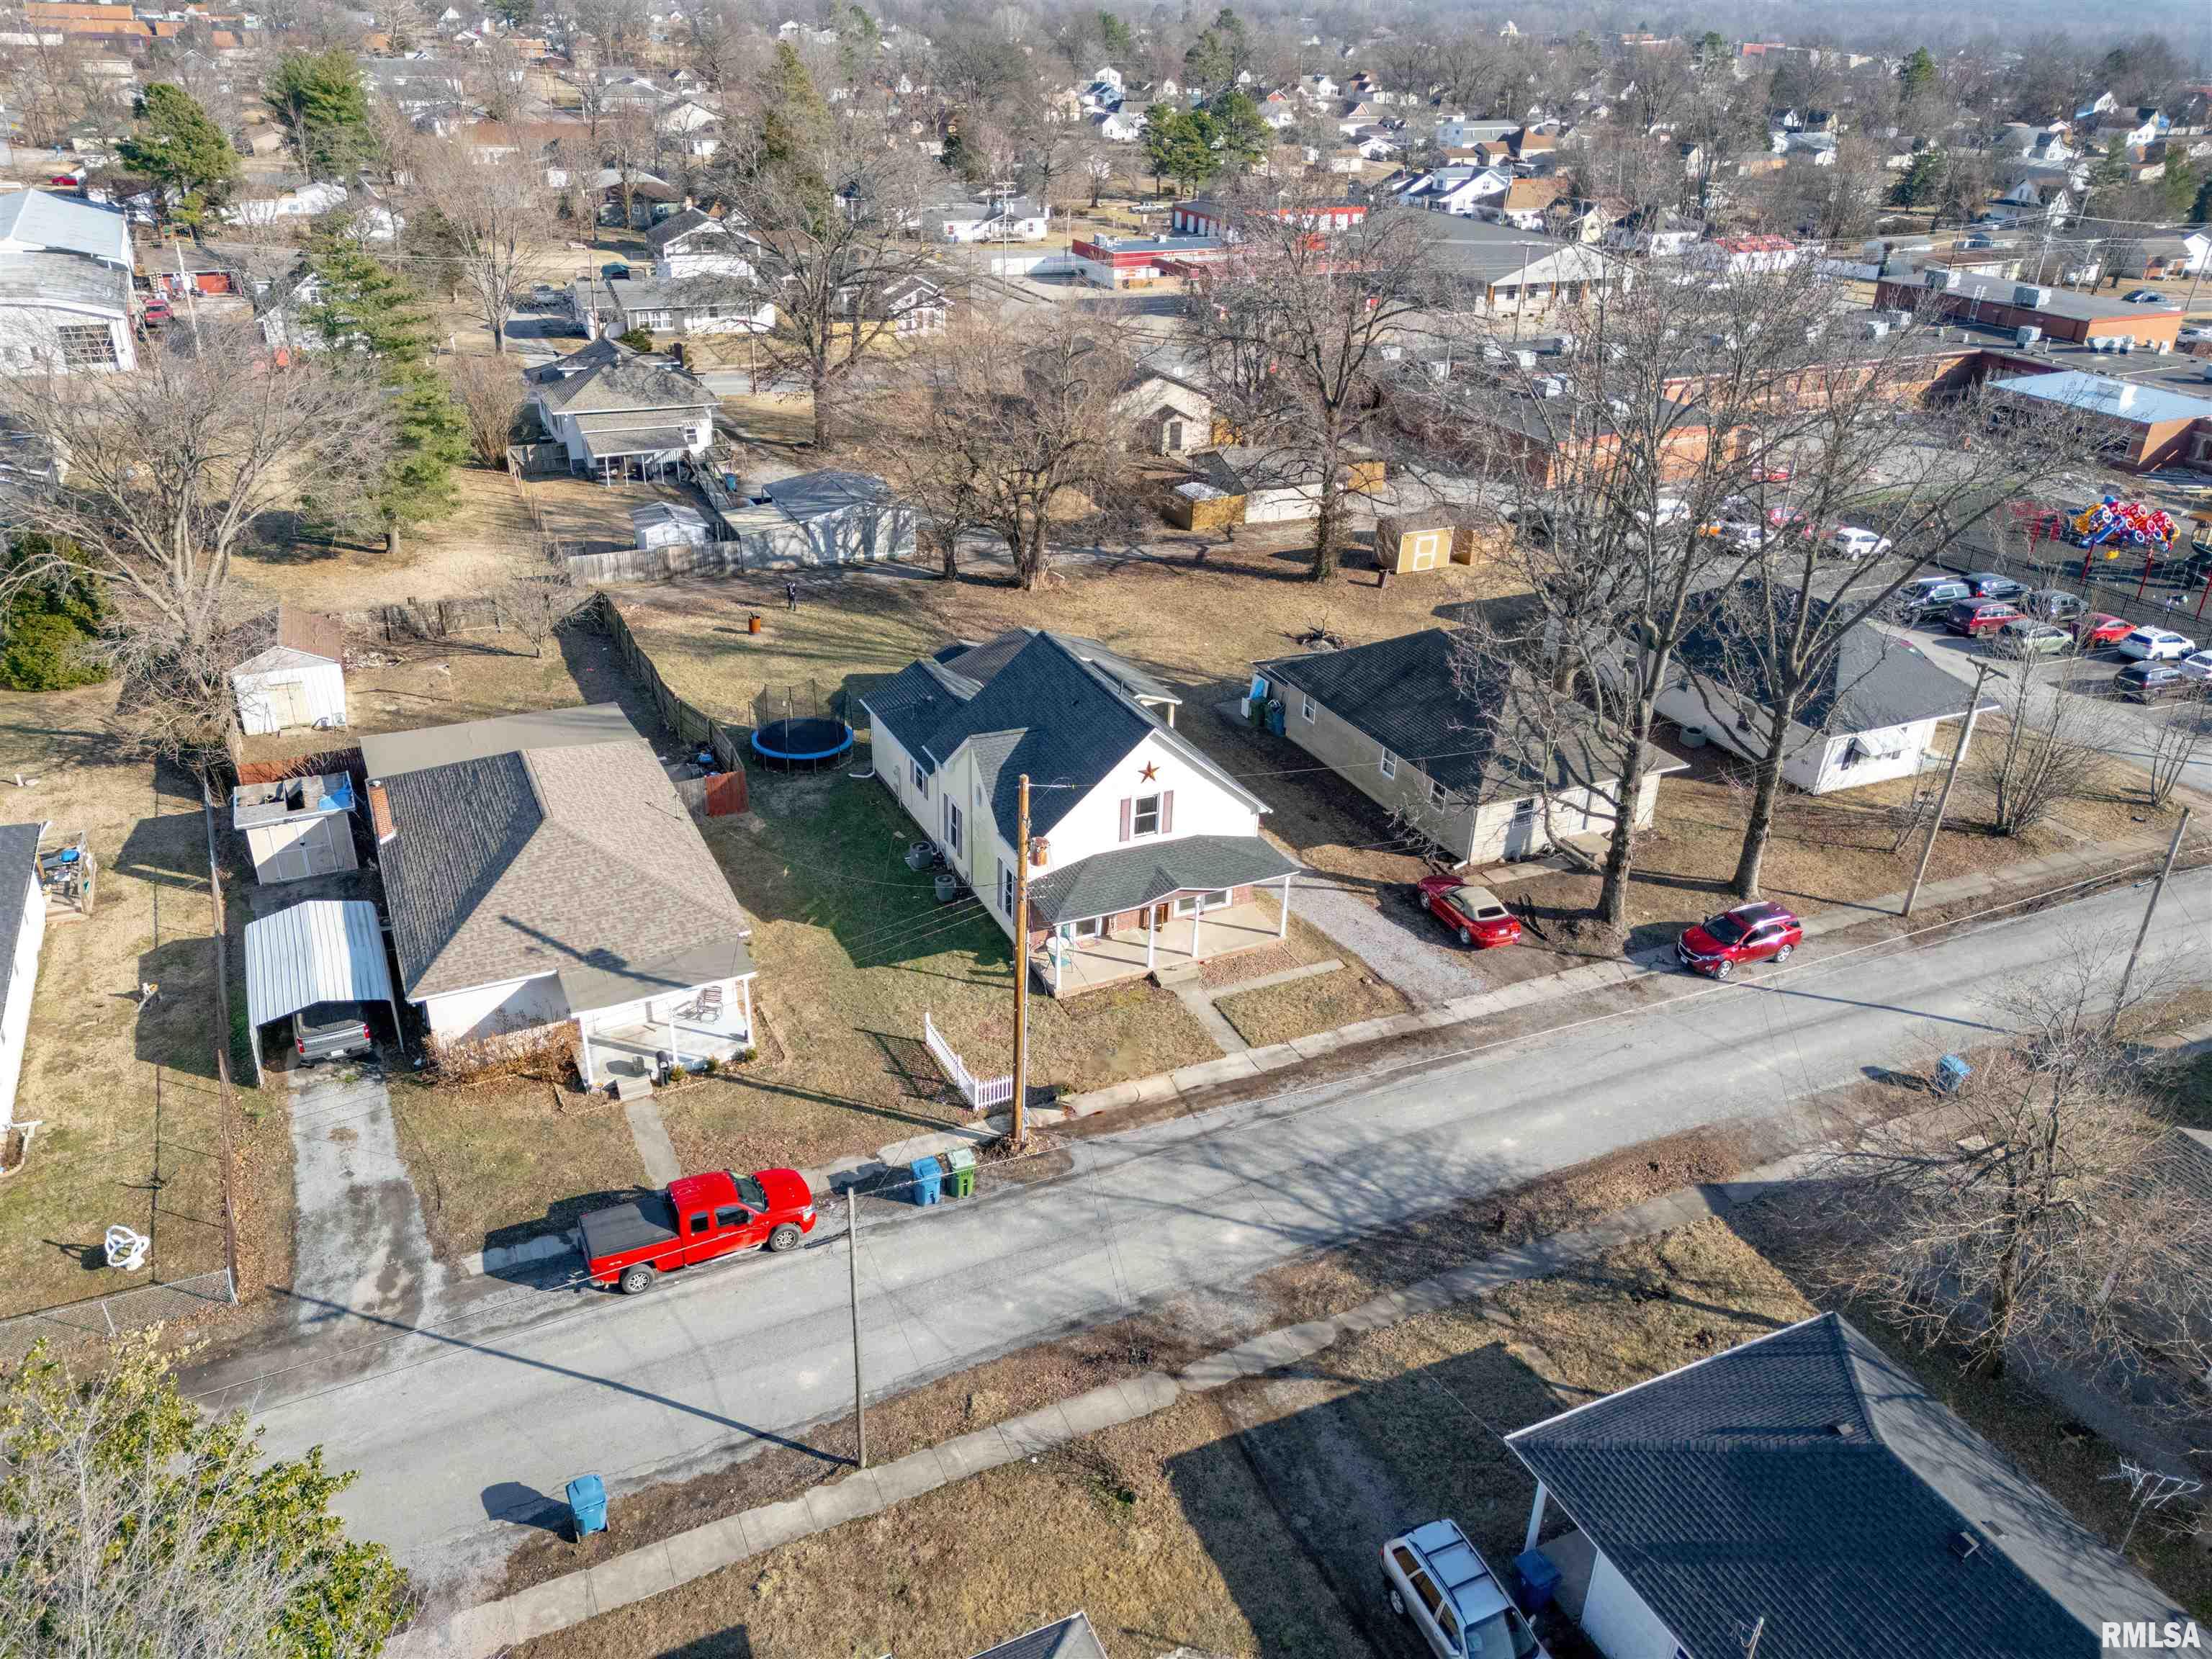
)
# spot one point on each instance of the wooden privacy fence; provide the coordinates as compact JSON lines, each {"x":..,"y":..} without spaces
{"x":692,"y":726}
{"x":439,"y":619}
{"x":982,"y":1093}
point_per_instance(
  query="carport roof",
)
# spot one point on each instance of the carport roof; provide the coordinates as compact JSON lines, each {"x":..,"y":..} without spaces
{"x":321,"y":951}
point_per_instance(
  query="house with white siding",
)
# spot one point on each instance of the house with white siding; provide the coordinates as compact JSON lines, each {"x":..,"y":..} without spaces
{"x":66,"y":299}
{"x":22,"y":930}
{"x":1144,"y":856}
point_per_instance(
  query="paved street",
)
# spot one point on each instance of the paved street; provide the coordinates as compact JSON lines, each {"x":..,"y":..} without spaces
{"x":455,"y":1431}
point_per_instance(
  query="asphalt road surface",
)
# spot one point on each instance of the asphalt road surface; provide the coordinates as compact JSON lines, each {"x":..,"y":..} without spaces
{"x":460,"y":1432}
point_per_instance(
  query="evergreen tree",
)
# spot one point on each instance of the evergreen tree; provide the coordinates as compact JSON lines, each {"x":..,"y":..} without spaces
{"x":365,"y":306}
{"x":180,"y":150}
{"x":2202,"y":209}
{"x":320,"y":98}
{"x":52,"y":619}
{"x":1234,"y":132}
{"x":793,"y":124}
{"x":1175,"y":146}
{"x":514,"y":13}
{"x":1917,"y":77}
{"x":1113,"y":36}
{"x":1922,"y":181}
{"x":2177,"y":187}
{"x":1219,"y":54}
{"x":2111,"y":167}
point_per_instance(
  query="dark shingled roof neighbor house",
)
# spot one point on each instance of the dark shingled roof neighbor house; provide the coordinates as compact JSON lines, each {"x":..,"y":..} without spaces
{"x":1805,"y":1478}
{"x":575,"y":858}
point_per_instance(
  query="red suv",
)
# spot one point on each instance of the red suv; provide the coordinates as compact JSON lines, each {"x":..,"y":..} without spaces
{"x":1975,"y":616}
{"x":1750,"y":932}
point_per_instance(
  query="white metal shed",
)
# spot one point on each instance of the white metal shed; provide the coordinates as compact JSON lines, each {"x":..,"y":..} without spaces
{"x":297,"y":678}
{"x":322,"y":950}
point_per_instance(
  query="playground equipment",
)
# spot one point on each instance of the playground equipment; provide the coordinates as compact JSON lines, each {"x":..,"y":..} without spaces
{"x":2113,"y":523}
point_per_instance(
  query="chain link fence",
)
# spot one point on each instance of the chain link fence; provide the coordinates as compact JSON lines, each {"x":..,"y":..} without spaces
{"x":103,"y":1318}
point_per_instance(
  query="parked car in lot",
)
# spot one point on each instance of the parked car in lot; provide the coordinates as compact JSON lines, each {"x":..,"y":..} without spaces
{"x":1750,"y":932}
{"x":2143,"y":296}
{"x":1854,"y":543}
{"x":1472,"y":913}
{"x":2100,"y":628}
{"x":615,"y":271}
{"x":1989,"y":584}
{"x":2053,"y":604}
{"x":2029,"y":638}
{"x":2197,"y":666}
{"x":2148,"y":682}
{"x":2156,"y":645}
{"x":696,"y":1219}
{"x":1438,"y":1582}
{"x":331,"y":1030}
{"x":1928,"y":596}
{"x":1970,"y":619}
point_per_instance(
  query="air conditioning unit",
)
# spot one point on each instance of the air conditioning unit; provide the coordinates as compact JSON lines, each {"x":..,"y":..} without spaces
{"x":1525,"y":359}
{"x":2030,"y":297}
{"x":2027,"y":336}
{"x":1874,"y":329}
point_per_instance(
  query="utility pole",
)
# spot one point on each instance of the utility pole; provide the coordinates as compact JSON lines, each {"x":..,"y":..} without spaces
{"x":2157,"y":891}
{"x":1018,"y":1125}
{"x":852,"y":1283}
{"x":1943,"y":800}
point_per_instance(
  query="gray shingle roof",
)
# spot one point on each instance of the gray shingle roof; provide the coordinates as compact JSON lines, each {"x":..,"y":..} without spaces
{"x":1402,"y":694}
{"x":32,"y":219}
{"x":914,"y":702}
{"x":608,"y":375}
{"x":1806,"y":1478}
{"x":1127,"y":877}
{"x":33,"y":277}
{"x":1071,"y":726}
{"x":980,"y":662}
{"x":19,"y":858}
{"x":579,"y":860}
{"x":1072,"y":1638}
{"x":1872,"y":680}
{"x":387,"y":754}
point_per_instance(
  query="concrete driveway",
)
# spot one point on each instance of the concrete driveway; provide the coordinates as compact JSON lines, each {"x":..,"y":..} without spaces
{"x":360,"y":1251}
{"x":452,"y":1422}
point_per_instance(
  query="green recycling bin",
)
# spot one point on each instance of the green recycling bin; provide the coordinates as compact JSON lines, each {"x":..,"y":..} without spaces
{"x":963,"y":1160}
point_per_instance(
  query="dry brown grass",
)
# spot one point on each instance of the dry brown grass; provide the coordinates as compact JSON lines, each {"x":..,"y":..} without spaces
{"x":125,"y":1096}
{"x":1320,"y":1002}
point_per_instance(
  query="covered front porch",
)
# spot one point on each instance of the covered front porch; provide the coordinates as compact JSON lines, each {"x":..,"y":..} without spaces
{"x":1181,"y":932}
{"x":713,"y":1022}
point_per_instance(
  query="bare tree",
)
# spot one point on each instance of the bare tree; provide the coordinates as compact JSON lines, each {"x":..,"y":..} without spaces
{"x":2051,"y":747}
{"x":2176,"y":742}
{"x":1291,"y":328}
{"x":2150,"y":1492}
{"x":922,"y":436}
{"x":539,"y":607}
{"x":489,"y":217}
{"x":833,"y":253}
{"x":489,"y":393}
{"x":2033,"y":1210}
{"x":169,"y":472}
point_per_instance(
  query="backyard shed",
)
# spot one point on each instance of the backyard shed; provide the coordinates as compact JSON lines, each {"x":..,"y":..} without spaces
{"x":1420,"y":541}
{"x":322,"y":950}
{"x":668,"y":524}
{"x":296,"y":676}
{"x":295,"y":828}
{"x":22,"y":930}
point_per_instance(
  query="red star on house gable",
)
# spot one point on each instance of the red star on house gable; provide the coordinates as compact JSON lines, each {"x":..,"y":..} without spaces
{"x":1150,"y":772}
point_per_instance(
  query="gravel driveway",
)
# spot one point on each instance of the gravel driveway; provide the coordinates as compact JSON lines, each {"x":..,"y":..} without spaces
{"x":1425,"y":974}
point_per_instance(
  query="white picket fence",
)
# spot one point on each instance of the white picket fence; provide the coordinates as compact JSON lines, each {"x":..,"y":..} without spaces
{"x":982,"y":1093}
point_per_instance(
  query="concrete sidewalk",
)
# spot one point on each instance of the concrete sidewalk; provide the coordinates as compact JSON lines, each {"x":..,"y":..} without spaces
{"x":480,"y":1632}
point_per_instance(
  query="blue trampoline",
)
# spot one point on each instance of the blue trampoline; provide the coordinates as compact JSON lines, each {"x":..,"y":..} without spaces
{"x":802,"y":740}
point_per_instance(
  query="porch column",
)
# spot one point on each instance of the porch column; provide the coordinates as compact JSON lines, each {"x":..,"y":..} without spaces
{"x":675,"y":1055}
{"x":1197,"y":912}
{"x":1151,"y":936}
{"x":1059,"y":957}
{"x":1535,"y":1520}
{"x":1283,"y":921}
{"x":584,"y":1063}
{"x":746,"y":986}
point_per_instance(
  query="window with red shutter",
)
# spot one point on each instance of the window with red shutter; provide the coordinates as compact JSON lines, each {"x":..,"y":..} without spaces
{"x":1127,"y":807}
{"x":1167,"y":812}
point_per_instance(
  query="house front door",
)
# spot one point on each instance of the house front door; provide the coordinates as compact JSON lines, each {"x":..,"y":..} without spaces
{"x":1160,"y":914}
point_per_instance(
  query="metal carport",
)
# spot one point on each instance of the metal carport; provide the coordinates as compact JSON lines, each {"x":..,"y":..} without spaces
{"x":321,"y":951}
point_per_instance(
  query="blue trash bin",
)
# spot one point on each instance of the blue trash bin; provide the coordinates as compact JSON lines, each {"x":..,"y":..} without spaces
{"x":1539,"y":1579}
{"x":1950,"y":1072}
{"x":928,"y":1180}
{"x":587,"y":1504}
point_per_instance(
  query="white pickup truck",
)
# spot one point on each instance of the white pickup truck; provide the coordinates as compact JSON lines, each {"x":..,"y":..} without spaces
{"x":1440,"y":1583}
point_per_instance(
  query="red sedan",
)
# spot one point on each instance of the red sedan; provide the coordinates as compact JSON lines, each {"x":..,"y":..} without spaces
{"x":1473,"y":913}
{"x":2098,"y":629}
{"x":1750,"y":932}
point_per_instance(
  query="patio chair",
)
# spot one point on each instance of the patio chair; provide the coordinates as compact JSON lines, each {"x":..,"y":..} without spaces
{"x":706,"y":1007}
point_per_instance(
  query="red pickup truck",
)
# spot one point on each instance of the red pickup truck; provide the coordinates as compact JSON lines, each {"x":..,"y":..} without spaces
{"x":698,"y":1218}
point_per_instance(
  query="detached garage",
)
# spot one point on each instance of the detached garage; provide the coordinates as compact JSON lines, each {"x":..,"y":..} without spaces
{"x":323,"y":951}
{"x":297,"y":676}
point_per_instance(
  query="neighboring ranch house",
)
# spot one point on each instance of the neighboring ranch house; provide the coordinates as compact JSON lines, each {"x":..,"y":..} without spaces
{"x":296,"y":678}
{"x":65,"y":300}
{"x":295,"y":828}
{"x":616,"y":412}
{"x":539,"y":871}
{"x":1016,"y":220}
{"x":695,"y":305}
{"x":1144,"y":854}
{"x":1807,"y":1476}
{"x":1394,"y":721}
{"x":1872,"y":716}
{"x":22,"y":930}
